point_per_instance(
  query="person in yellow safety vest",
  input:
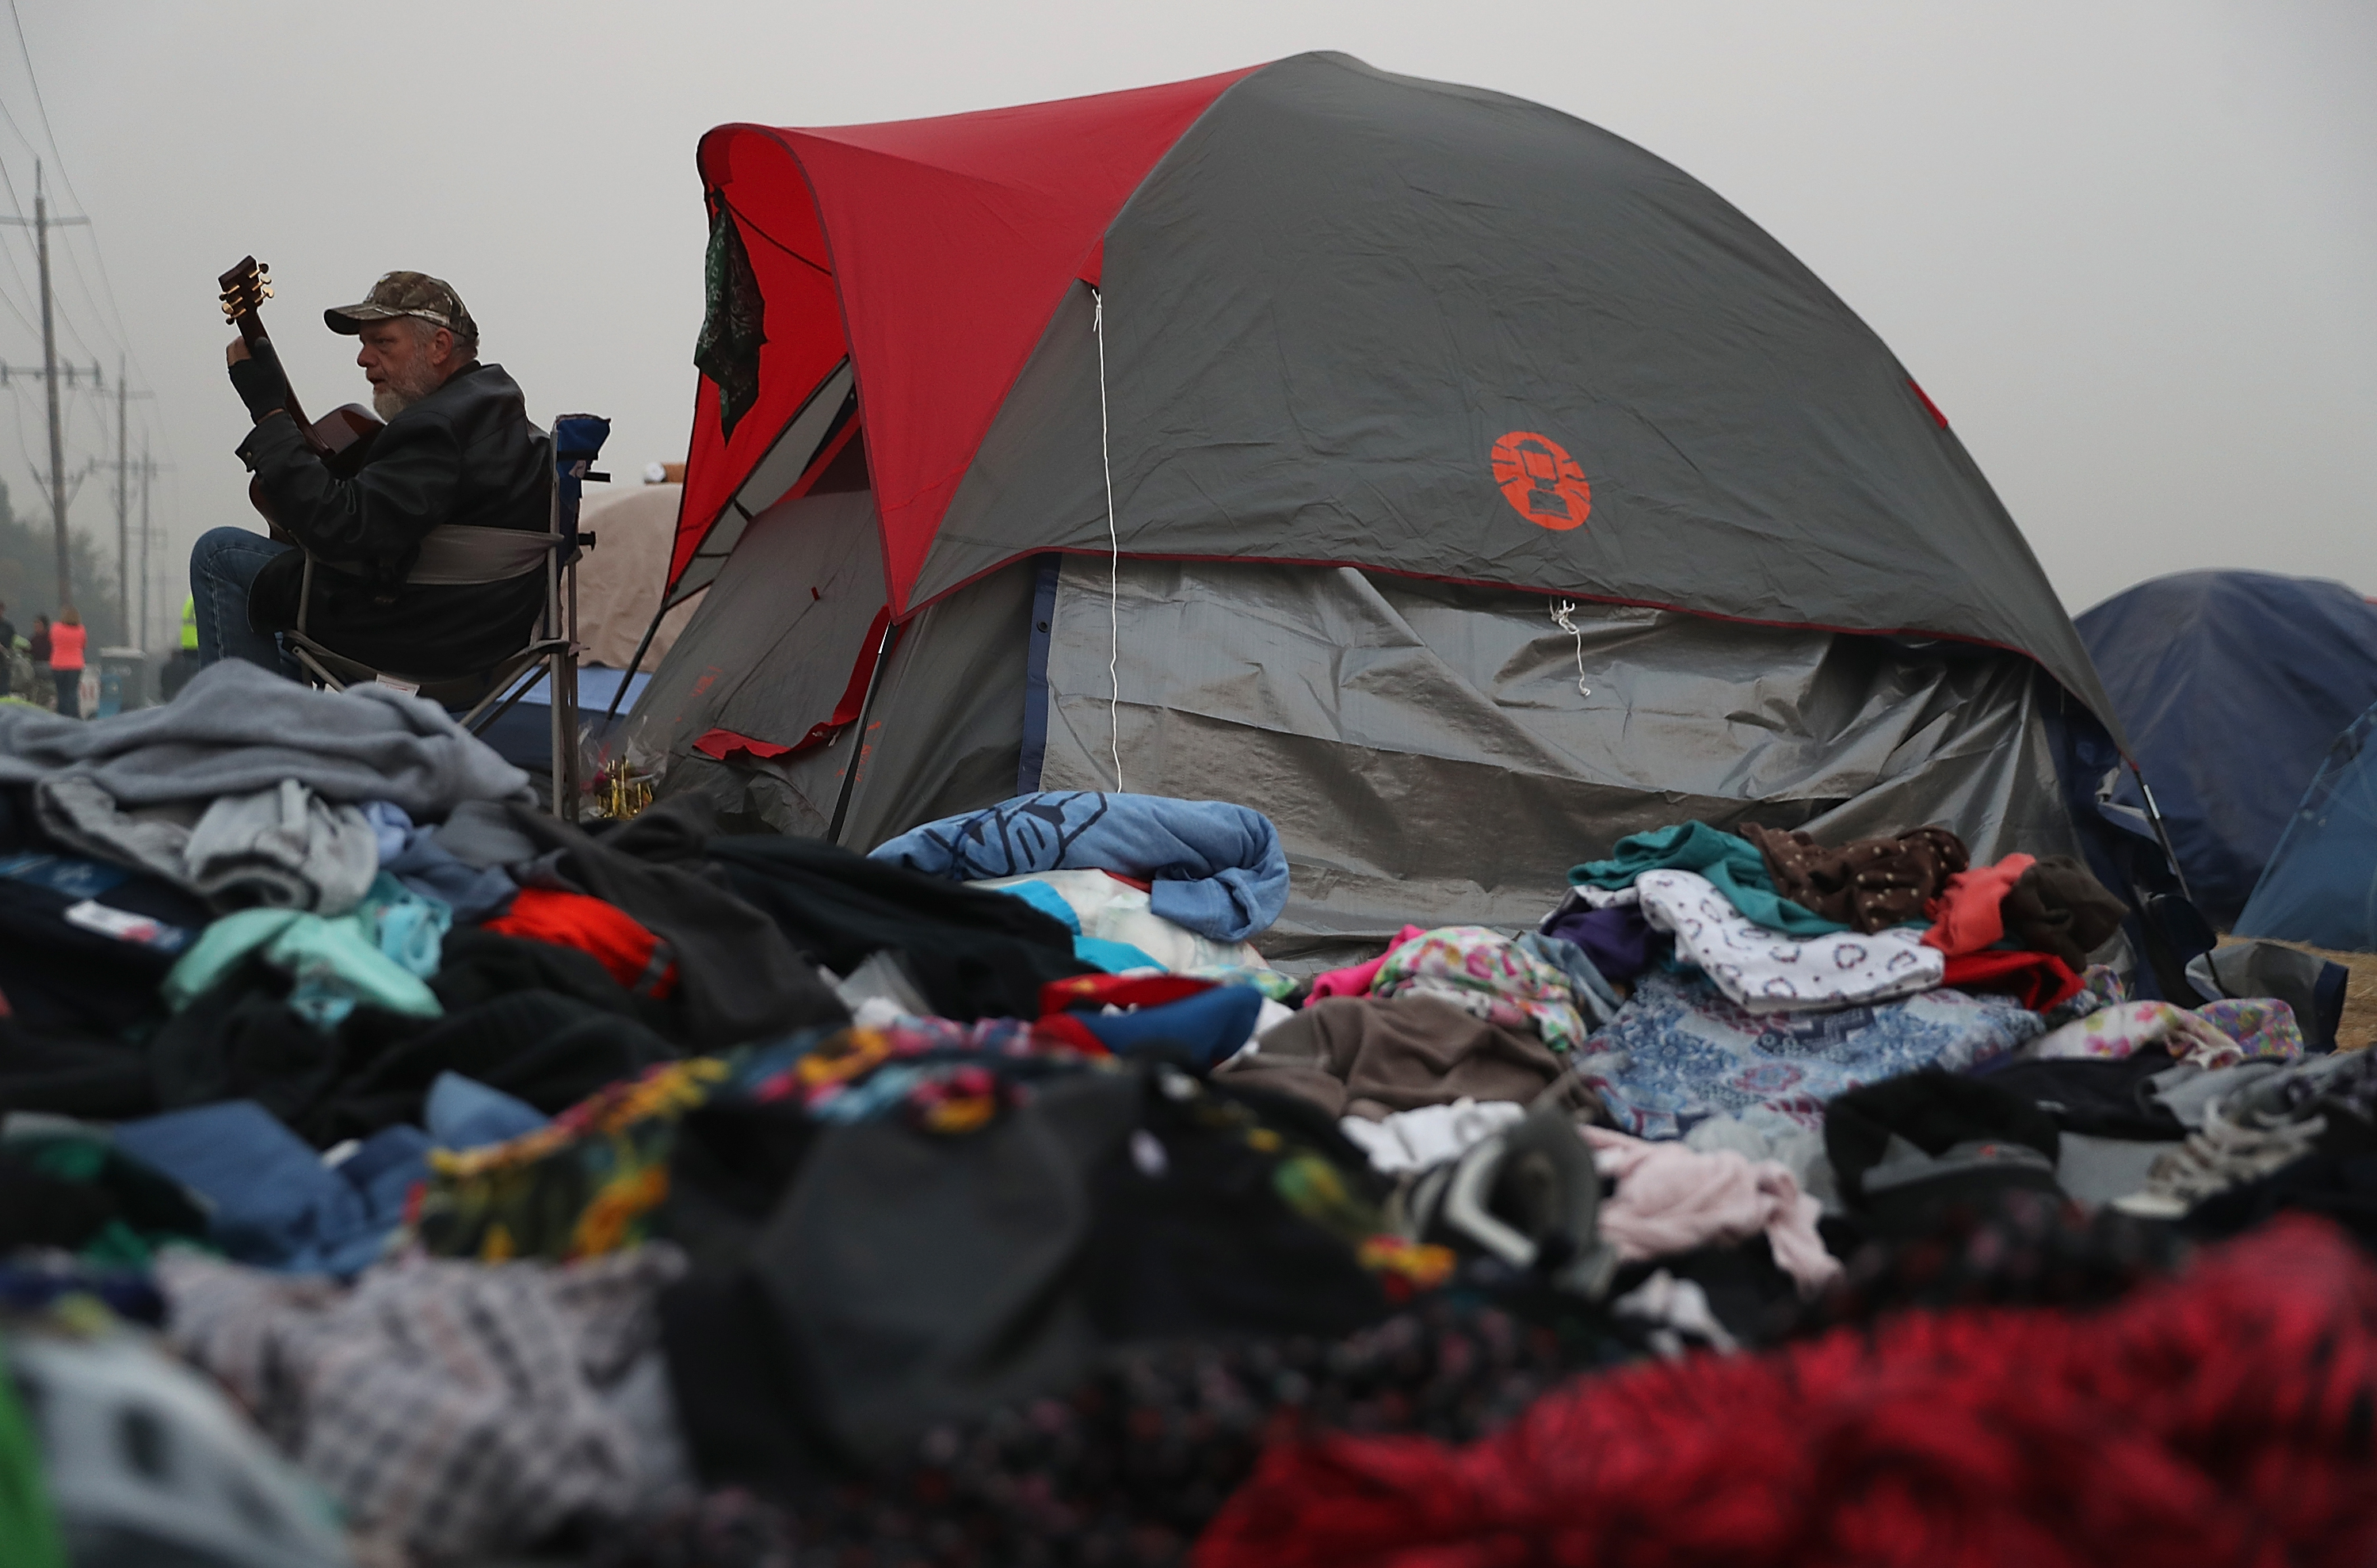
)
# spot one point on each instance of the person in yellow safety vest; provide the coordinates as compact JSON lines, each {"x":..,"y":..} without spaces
{"x":185,"y":662}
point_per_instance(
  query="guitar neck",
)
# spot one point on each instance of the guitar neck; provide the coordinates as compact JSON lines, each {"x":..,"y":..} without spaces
{"x":251,"y":332}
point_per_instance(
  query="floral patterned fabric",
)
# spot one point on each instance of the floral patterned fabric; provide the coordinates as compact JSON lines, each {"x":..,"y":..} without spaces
{"x":1279,"y":988}
{"x":2220,"y":1034}
{"x":1487,"y":976}
{"x":2101,"y":987}
{"x":588,"y":1182}
{"x":1767,"y":971}
{"x":1681,"y":1052}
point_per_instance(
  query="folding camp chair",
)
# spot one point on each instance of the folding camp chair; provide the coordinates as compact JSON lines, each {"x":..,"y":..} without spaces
{"x":454,"y":556}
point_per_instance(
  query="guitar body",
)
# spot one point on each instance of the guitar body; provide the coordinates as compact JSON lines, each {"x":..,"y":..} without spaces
{"x":342,"y":437}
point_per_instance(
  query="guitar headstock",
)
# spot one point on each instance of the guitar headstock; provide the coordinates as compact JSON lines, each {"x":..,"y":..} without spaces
{"x":245,"y":287}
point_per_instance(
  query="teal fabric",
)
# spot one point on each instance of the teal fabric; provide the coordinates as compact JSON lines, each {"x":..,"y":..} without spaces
{"x":1732,"y":863}
{"x":1048,"y":902}
{"x":1113,"y":957}
{"x":337,"y":964}
{"x":411,"y":926}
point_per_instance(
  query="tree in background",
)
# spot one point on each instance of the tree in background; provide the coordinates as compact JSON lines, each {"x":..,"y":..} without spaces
{"x":28,"y":576}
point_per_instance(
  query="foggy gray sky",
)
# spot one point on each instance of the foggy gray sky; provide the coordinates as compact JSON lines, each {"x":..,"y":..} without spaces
{"x":2128,"y":247}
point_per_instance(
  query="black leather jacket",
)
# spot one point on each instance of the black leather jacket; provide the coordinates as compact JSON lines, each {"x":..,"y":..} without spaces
{"x":464,"y":454}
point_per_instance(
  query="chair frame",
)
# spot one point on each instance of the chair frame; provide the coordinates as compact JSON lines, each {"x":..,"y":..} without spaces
{"x":551,"y":653}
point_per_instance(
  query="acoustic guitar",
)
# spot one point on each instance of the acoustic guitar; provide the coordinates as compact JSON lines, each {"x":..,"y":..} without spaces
{"x":342,"y":437}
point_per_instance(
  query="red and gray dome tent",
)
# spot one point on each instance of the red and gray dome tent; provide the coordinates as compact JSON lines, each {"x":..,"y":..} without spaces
{"x":1250,"y":433}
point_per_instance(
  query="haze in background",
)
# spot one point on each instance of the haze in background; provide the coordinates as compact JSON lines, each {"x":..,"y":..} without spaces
{"x":2128,"y":248}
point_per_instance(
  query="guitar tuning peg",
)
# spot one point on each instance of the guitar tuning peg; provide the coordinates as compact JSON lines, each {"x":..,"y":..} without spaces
{"x":268,"y":291}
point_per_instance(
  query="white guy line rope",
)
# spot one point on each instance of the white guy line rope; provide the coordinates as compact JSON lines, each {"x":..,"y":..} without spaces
{"x":1113,"y":555}
{"x":1562,"y":612}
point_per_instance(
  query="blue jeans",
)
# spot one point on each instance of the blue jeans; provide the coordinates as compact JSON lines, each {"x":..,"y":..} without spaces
{"x":223,"y":564}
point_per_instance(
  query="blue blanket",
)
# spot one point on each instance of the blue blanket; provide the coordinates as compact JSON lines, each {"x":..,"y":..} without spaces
{"x":1217,"y":868}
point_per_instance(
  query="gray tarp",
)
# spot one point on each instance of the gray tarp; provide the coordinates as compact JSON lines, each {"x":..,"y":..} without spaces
{"x":943,"y":737}
{"x":1422,"y":747}
{"x":771,"y":648}
{"x":1427,"y":755}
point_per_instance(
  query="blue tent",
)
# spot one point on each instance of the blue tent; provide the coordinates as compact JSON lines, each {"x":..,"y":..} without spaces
{"x":2232,"y":685}
{"x":2322,"y":884}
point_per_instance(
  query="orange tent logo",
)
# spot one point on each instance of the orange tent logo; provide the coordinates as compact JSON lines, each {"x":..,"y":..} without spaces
{"x":1541,"y":480}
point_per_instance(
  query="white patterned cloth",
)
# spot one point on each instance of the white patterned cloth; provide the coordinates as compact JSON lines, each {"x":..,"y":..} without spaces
{"x":453,"y":1408}
{"x":1768,"y":972}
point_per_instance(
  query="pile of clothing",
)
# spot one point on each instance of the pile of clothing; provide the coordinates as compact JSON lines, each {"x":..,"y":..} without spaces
{"x":401,"y":1175}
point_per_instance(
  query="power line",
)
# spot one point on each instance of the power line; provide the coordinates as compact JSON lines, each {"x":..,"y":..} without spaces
{"x":33,"y":77}
{"x":10,"y":121}
{"x":16,"y":202}
{"x":14,"y":271}
{"x":105,"y":295}
{"x":22,"y":318}
{"x":98,"y":257}
{"x":42,"y":223}
{"x":22,"y":450}
{"x":66,"y":322}
{"x":106,"y":309}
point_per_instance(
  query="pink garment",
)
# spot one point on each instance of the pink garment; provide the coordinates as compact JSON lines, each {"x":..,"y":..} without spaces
{"x":1356,"y":981}
{"x":1671,"y":1199}
{"x":1966,"y":914}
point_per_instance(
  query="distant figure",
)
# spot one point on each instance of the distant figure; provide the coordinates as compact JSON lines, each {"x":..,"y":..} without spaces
{"x":185,"y":662}
{"x":7,"y":648}
{"x":458,"y":448}
{"x":37,"y":650}
{"x":67,"y":641}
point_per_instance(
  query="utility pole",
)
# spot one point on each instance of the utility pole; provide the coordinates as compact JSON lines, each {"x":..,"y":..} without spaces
{"x":50,"y":379}
{"x":42,"y":223}
{"x":124,"y":395}
{"x":150,"y":469}
{"x":123,"y":507}
{"x":146,"y":626}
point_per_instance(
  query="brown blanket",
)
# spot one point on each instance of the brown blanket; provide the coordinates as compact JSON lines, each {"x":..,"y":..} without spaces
{"x":1356,"y":1056}
{"x":1868,"y":884}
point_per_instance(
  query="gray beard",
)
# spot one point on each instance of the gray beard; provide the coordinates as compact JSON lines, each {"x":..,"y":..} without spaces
{"x":398,"y":396}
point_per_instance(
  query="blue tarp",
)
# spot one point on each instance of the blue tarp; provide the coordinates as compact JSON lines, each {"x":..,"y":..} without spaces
{"x":2232,"y":686}
{"x":2322,"y":884}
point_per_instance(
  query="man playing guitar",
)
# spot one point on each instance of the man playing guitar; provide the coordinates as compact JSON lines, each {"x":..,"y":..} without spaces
{"x":458,"y":448}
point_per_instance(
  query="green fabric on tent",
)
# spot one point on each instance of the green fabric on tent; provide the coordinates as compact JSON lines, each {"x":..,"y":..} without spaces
{"x":1732,"y":863}
{"x":734,"y":318}
{"x":29,"y":1528}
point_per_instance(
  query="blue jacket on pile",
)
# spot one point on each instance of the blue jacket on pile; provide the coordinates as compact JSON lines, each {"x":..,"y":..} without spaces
{"x":1217,"y":869}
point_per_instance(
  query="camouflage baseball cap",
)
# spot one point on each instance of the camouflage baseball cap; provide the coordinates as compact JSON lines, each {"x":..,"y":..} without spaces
{"x":406,"y":294}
